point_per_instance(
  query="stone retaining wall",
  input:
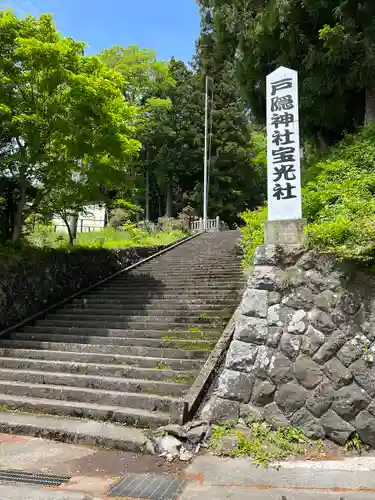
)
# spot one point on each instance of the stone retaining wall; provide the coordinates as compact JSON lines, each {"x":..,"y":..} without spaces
{"x":42,"y":279}
{"x":303,"y":348}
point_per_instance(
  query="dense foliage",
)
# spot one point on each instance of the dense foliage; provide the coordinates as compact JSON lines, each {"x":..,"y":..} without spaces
{"x":329,"y":42}
{"x":338,"y":202}
{"x":78,"y":130}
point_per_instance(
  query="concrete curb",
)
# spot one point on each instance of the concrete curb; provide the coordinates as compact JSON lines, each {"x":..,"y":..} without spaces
{"x":197,"y":391}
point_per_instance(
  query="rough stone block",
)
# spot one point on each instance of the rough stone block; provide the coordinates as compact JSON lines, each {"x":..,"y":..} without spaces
{"x":266,"y":255}
{"x":235,"y":385}
{"x":338,"y":374}
{"x":250,"y":413}
{"x":294,"y":277}
{"x":279,"y":315}
{"x":262,"y":393}
{"x":312,"y":340}
{"x":349,"y":401}
{"x":353,"y":349}
{"x":290,"y":345}
{"x":319,"y":282}
{"x":269,"y":278}
{"x":274,"y":298}
{"x":301,"y":298}
{"x":253,"y":330}
{"x":241,"y":356}
{"x":320,"y":400}
{"x":336,"y":428}
{"x":308,"y":260}
{"x":371,"y":408}
{"x":321,"y":320}
{"x":299,"y":322}
{"x":254,"y":303}
{"x":307,"y":372}
{"x":326,"y":300}
{"x":349,"y":303}
{"x":365,"y":425}
{"x":364,"y":375}
{"x":225,"y":410}
{"x":331,"y":346}
{"x":306,"y":421}
{"x":275,"y":417}
{"x":262,"y":361}
{"x":290,"y":397}
{"x":274,"y":336}
{"x":280,"y":369}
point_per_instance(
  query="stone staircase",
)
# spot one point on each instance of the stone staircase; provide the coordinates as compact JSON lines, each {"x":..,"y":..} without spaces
{"x":130,"y":349}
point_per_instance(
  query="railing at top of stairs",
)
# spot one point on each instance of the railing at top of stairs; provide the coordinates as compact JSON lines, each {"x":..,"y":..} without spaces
{"x":211,"y":225}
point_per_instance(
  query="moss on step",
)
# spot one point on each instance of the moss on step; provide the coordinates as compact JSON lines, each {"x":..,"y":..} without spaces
{"x":188,"y":379}
{"x":162,"y":366}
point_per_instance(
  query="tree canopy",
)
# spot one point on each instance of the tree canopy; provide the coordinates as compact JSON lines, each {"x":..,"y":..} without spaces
{"x":329,"y":42}
{"x":62,"y":114}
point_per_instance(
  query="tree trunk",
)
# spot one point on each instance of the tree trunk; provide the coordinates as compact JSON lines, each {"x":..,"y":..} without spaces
{"x":169,"y":202}
{"x":18,"y":217}
{"x":370,"y":106}
{"x":73,"y":228}
{"x":323,"y":145}
{"x":67,"y":223}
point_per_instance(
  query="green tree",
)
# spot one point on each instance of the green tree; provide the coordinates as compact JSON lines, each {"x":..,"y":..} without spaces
{"x":329,"y":42}
{"x":62,"y":115}
{"x":236,"y":183}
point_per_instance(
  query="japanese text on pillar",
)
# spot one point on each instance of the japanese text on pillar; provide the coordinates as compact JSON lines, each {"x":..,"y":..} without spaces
{"x":284,"y":185}
{"x":283,"y":156}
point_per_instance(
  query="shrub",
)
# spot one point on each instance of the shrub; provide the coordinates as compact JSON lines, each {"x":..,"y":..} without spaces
{"x":252,"y":232}
{"x":338,"y":199}
{"x":338,"y":202}
{"x":169,"y":224}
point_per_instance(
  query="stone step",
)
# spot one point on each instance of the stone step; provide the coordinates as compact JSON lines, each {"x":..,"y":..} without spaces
{"x":150,"y":308}
{"x":171,"y":281}
{"x":166,"y":325}
{"x":104,"y":383}
{"x":183,"y":344}
{"x":106,"y":349}
{"x":160,"y":286}
{"x":183,"y":295}
{"x":175,"y":317}
{"x":158,"y":362}
{"x":149,"y":402}
{"x":96,"y":369}
{"x":188,"y":274}
{"x":74,"y":430}
{"x":130,"y":416}
{"x":193,"y":334}
{"x":118,"y":312}
{"x":131,"y":302}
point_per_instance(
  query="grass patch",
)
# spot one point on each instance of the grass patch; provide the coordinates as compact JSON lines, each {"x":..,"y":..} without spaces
{"x":44,"y":237}
{"x":187,"y":379}
{"x":260,"y":442}
{"x":162,"y":366}
{"x":354,"y":443}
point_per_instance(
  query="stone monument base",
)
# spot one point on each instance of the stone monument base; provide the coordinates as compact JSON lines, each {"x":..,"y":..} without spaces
{"x":289,"y":234}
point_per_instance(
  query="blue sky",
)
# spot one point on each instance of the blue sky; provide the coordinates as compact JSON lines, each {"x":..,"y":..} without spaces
{"x":168,"y":26}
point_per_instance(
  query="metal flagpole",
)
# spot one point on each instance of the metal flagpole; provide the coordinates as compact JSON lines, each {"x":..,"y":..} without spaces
{"x":205,"y":182}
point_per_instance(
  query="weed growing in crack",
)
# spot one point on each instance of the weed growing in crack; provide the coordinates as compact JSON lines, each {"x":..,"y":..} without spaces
{"x":259,"y":442}
{"x":354,"y":443}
